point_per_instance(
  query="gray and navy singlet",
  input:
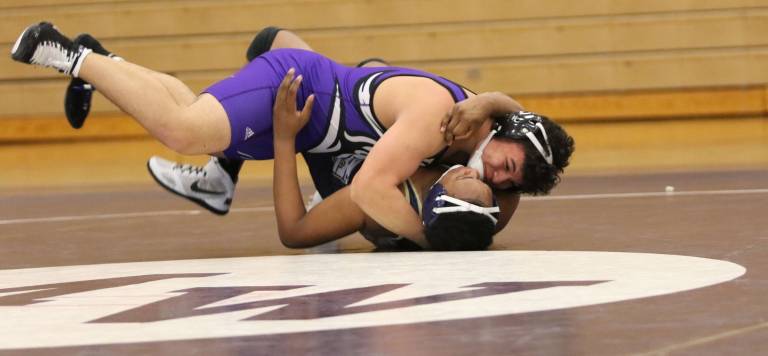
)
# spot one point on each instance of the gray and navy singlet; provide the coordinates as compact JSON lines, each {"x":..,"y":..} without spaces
{"x":343,"y":126}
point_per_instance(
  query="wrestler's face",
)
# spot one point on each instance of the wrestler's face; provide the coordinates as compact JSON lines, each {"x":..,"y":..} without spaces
{"x":464,"y":183}
{"x":503,"y":163}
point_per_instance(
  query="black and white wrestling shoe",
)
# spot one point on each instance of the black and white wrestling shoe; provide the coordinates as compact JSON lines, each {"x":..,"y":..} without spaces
{"x":77,"y":99}
{"x":42,"y":44}
{"x":77,"y":102}
{"x":209,"y":186}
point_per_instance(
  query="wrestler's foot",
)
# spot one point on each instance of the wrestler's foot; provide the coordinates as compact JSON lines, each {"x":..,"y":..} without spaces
{"x":77,"y":101}
{"x":43,"y":45}
{"x":209,"y":186}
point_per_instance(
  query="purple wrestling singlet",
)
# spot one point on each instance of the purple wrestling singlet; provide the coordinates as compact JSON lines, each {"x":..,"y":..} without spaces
{"x":343,"y":127}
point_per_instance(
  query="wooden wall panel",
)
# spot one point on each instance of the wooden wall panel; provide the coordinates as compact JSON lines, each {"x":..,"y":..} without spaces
{"x":563,"y":79}
{"x":532,"y":40}
{"x":718,"y":102}
{"x":26,"y":4}
{"x":114,"y":20}
{"x":587,"y":64}
{"x":732,"y":104}
{"x":595,"y":73}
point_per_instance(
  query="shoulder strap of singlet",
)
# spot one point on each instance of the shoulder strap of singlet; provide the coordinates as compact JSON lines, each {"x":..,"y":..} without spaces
{"x":457,"y":92}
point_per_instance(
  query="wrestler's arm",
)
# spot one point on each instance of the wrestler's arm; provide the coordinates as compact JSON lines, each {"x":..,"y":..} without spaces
{"x":397,"y":155}
{"x":469,"y":114}
{"x":336,"y":216}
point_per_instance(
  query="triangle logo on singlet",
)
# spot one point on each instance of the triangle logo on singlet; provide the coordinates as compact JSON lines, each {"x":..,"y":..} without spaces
{"x":248,"y":133}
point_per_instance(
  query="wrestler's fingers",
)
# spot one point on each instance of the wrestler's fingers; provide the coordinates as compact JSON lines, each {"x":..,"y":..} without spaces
{"x":307,"y":110}
{"x":448,"y":137}
{"x":282,"y":91}
{"x":449,"y":120}
{"x":462,"y":130}
{"x":462,"y":136}
{"x":453,"y":120}
{"x":294,"y":89}
{"x":456,"y":118}
{"x":444,"y":122}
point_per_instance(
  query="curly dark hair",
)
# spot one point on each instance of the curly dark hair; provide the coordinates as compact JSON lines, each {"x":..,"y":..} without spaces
{"x":539,"y":177}
{"x":460,"y":231}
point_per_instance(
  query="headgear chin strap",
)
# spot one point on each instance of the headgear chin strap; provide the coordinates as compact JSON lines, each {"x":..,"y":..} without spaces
{"x":439,"y":202}
{"x":460,"y":205}
{"x":476,"y":161}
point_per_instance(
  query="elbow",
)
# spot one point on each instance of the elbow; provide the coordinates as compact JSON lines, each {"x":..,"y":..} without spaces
{"x":360,"y":191}
{"x":295,"y":241}
{"x":354,"y":193}
{"x":291,"y":244}
{"x":291,"y":241}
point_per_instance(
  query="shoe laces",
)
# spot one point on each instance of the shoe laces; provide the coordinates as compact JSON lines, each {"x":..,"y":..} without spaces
{"x":189,"y":169}
{"x":53,"y":54}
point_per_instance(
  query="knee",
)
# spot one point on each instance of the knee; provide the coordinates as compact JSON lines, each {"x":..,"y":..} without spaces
{"x":181,"y":144}
{"x":180,"y":138}
{"x":201,"y":128}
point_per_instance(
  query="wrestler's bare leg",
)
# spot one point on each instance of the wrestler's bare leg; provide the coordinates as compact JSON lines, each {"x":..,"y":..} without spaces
{"x":220,"y":174}
{"x":288,"y":39}
{"x":197,"y":127}
{"x":224,"y":172}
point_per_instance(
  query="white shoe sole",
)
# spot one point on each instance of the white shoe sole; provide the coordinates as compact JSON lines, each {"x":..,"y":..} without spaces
{"x":197,"y":201}
{"x":18,"y":40}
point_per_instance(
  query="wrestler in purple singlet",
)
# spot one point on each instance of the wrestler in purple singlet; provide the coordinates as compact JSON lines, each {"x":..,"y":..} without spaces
{"x":342,"y":128}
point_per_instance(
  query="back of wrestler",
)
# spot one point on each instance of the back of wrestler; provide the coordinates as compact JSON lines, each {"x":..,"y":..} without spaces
{"x":343,"y":126}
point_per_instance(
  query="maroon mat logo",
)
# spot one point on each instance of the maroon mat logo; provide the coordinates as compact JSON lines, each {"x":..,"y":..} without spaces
{"x":192,"y":301}
{"x":232,"y":297}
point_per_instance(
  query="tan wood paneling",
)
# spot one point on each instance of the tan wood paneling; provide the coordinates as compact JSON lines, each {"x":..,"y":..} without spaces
{"x":615,"y":73}
{"x":55,"y":164}
{"x":724,"y":102}
{"x":205,"y":17}
{"x":673,"y":145}
{"x":56,"y":128}
{"x":572,"y":75}
{"x":610,"y":146}
{"x":22,"y":4}
{"x":731,"y":103}
{"x":509,"y":40}
{"x":611,"y":60}
{"x":668,"y":133}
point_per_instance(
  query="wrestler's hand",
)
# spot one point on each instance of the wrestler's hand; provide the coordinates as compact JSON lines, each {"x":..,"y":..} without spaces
{"x":468,"y":115}
{"x":287,"y":120}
